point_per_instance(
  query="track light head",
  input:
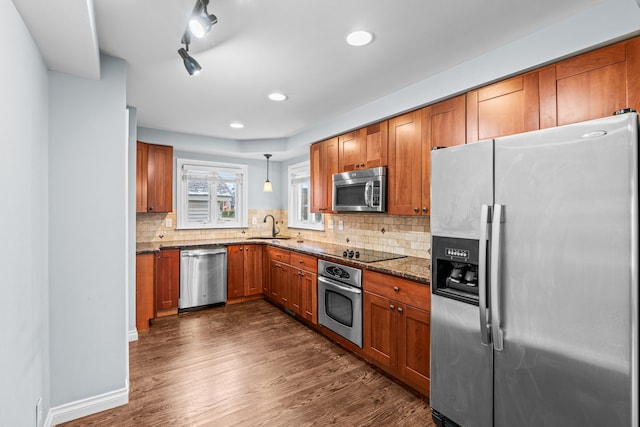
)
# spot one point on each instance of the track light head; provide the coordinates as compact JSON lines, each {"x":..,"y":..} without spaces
{"x":200,"y":25}
{"x":190,"y":64}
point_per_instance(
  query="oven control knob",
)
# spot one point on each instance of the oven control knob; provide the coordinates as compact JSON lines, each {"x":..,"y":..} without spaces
{"x":357,"y":254}
{"x":345,"y":253}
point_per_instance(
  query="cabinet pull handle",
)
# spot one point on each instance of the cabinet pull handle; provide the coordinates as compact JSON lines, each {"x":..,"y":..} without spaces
{"x":392,"y":307}
{"x":400,"y":310}
{"x":396,"y":289}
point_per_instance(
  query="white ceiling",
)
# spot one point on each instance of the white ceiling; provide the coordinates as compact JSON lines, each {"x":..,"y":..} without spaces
{"x":258,"y":46}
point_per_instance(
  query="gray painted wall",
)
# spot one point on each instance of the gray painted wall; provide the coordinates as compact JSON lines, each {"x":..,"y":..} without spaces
{"x":24,"y":283}
{"x":131,"y":233}
{"x":88,"y":138}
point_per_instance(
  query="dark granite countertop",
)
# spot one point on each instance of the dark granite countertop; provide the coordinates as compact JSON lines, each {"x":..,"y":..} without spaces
{"x":411,"y":268}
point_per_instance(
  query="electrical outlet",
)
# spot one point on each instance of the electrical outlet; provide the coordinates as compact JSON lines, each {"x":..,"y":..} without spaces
{"x":38,"y":411}
{"x":168,"y":223}
{"x":330,"y":224}
{"x":254,"y":221}
{"x":340,"y":225}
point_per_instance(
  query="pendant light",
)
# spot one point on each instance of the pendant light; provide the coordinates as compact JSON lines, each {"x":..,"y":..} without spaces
{"x":267,"y":188}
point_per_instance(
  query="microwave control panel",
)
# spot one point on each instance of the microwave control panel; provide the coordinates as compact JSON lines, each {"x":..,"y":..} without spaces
{"x":375,"y":195}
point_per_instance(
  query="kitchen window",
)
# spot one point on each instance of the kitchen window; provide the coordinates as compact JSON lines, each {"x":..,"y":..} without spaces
{"x":300,"y":215}
{"x":211,"y":195}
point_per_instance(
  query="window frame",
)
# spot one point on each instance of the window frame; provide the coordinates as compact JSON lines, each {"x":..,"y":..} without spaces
{"x":296,"y":169}
{"x":242,"y":197}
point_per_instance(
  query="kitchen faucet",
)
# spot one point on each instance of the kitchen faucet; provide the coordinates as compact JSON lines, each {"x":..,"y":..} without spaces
{"x":274,"y":232}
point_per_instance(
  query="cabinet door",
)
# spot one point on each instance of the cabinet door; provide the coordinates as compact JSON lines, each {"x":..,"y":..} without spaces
{"x":505,"y":108}
{"x":310,"y":297}
{"x":351,"y":152}
{"x":295,"y":290}
{"x":414,"y":347}
{"x":160,"y":178}
{"x":142,"y":157}
{"x":235,"y":271}
{"x":266,"y":276}
{"x":323,"y":164}
{"x":280,"y":282}
{"x":592,"y":85}
{"x":380,"y":325}
{"x":376,"y":145}
{"x":405,"y":164}
{"x":253,"y":276}
{"x":167,"y":281}
{"x":144,"y":290}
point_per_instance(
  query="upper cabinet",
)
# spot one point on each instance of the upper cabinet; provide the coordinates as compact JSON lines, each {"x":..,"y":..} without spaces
{"x":504,"y":108}
{"x":323,"y":164}
{"x":363,"y":148}
{"x":154,"y":178}
{"x":591,"y":85}
{"x":404,"y":184}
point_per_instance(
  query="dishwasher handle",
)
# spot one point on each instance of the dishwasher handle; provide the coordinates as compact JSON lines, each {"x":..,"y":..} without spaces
{"x":203,"y":252}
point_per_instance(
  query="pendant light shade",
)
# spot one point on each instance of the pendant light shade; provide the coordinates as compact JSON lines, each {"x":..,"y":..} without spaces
{"x":267,"y":188}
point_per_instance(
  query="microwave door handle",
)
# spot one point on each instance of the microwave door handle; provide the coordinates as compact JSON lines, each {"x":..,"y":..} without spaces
{"x":368,"y":194}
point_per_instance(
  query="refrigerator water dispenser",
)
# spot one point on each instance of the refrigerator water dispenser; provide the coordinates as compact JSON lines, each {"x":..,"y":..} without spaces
{"x":455,"y":272}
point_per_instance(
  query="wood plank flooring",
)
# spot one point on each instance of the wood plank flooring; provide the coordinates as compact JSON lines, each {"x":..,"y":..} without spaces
{"x":252,"y":365}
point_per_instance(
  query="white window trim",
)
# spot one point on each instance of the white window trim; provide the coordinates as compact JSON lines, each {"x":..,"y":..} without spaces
{"x":292,"y":169}
{"x":181,"y":194}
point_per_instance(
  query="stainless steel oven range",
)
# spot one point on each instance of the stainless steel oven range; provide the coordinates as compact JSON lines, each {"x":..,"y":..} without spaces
{"x":340,"y":300}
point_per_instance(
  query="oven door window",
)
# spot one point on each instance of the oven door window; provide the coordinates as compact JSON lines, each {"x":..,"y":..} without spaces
{"x":339,"y":307}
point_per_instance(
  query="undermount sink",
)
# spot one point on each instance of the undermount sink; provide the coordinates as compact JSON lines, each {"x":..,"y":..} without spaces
{"x":268,"y":238}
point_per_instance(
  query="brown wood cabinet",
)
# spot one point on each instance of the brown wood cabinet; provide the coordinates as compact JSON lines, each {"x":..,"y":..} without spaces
{"x":167,"y":282}
{"x":304,"y":286}
{"x":244,"y":272}
{"x":323,"y":164}
{"x":279,"y":277}
{"x":154,"y":178}
{"x":404,"y":184}
{"x":145,"y":303}
{"x":397,"y":327}
{"x":364,"y":148}
{"x":504,"y":108}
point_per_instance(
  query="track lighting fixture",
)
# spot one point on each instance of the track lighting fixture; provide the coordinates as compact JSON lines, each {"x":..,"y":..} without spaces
{"x":199,"y":25}
{"x":190,"y":64}
{"x":267,"y":188}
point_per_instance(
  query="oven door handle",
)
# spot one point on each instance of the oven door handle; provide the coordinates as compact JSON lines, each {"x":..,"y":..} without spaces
{"x":335,"y":284}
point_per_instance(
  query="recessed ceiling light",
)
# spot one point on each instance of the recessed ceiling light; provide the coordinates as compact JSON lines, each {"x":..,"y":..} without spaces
{"x":236,"y":125}
{"x":359,"y":38}
{"x":277,"y":96}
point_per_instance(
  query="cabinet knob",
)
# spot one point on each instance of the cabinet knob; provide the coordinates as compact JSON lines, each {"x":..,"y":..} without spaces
{"x":396,"y":289}
{"x":242,"y":249}
{"x":392,"y":307}
{"x":424,"y":209}
{"x":400,"y":310}
{"x":150,"y":208}
{"x":301,"y":261}
{"x":416,"y":209}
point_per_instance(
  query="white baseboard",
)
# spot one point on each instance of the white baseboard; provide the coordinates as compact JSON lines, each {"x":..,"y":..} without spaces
{"x":133,"y":335}
{"x":82,"y":408}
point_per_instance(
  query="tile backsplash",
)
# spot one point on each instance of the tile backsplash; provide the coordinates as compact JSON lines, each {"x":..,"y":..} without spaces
{"x":406,"y":235}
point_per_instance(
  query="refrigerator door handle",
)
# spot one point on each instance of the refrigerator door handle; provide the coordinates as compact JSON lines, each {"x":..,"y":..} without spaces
{"x":496,"y":234}
{"x":485,"y":327}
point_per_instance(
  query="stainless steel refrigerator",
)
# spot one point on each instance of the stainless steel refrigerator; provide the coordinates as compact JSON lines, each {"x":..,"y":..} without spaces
{"x":534,"y":281}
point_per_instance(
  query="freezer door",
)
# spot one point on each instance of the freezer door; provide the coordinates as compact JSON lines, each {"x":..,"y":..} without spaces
{"x":567,"y":275}
{"x":461,"y":182}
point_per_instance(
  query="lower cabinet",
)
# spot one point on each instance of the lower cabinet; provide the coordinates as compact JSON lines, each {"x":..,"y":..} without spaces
{"x":397,"y":327}
{"x":167,"y":282}
{"x":244,"y":272}
{"x":145,"y":304}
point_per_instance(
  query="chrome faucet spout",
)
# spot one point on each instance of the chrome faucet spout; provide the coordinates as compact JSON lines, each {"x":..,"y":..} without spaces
{"x":274,"y":232}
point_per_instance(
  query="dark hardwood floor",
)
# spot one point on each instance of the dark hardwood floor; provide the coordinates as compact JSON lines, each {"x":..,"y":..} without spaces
{"x":252,"y":365}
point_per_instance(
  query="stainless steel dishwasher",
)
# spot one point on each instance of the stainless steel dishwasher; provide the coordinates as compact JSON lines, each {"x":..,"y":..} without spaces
{"x":203,"y":277}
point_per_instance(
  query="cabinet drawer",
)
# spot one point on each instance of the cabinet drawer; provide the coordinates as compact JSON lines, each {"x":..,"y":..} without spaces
{"x":278,"y":254}
{"x":304,"y":262}
{"x":402,"y":290}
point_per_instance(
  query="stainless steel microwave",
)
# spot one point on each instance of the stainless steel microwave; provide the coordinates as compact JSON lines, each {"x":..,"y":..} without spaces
{"x":364,"y":190}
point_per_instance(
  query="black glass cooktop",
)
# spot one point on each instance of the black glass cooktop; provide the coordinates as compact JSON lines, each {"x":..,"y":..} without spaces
{"x":365,"y":255}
